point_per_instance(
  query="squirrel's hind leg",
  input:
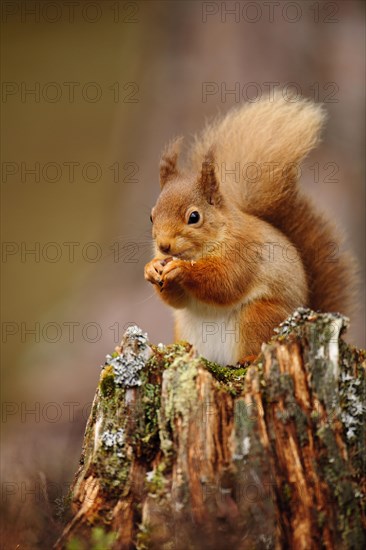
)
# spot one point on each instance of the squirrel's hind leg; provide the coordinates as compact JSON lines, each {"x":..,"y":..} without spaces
{"x":258,"y":319}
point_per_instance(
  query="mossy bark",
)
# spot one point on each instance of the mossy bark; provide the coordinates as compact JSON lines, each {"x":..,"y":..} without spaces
{"x":182,"y":453}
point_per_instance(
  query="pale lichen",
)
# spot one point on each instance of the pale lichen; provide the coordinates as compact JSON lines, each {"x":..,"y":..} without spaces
{"x":352,"y":391}
{"x":114,"y":441}
{"x":128,"y":364}
{"x":126,"y":369}
{"x":149,"y":394}
{"x":330,"y":325}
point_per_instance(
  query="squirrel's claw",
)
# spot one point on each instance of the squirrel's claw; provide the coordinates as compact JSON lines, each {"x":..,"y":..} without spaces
{"x":173,"y":272}
{"x":153,"y":271}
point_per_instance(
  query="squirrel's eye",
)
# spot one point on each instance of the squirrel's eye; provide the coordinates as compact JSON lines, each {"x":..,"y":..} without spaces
{"x":151,"y":218}
{"x":194,"y":217}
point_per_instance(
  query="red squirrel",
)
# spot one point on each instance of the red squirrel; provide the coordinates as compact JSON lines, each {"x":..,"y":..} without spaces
{"x":238,"y":246}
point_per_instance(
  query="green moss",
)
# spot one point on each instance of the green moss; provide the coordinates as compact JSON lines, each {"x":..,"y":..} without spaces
{"x":100,"y":539}
{"x":107,"y":382}
{"x":231,"y":378}
{"x":145,"y":438}
{"x":112,"y":416}
{"x":109,"y":463}
{"x":75,"y":544}
{"x":164,"y":356}
{"x":112,"y":468}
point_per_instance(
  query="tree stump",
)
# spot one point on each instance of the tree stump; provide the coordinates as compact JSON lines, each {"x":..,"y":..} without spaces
{"x":183,"y":453}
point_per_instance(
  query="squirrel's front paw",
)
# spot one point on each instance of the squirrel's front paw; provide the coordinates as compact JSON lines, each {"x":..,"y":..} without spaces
{"x":154,"y":270}
{"x":173,"y":272}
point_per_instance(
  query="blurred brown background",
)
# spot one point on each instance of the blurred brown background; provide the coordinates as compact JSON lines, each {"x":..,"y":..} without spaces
{"x":112,"y":82}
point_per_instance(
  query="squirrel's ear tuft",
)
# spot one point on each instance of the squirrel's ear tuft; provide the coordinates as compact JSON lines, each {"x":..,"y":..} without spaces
{"x":209,"y":182}
{"x":168,"y":161}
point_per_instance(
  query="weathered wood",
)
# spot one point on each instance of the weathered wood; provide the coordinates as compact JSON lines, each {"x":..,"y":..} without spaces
{"x":182,"y":453}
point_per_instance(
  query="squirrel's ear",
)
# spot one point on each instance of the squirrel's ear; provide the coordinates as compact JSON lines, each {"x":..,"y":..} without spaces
{"x":168,"y":161}
{"x":209,"y":182}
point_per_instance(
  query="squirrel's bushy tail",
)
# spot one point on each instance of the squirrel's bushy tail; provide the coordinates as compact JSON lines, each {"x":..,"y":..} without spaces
{"x":261,"y":145}
{"x":258,"y":148}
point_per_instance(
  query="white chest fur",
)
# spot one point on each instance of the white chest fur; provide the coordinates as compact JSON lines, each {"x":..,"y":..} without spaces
{"x":214,"y":332}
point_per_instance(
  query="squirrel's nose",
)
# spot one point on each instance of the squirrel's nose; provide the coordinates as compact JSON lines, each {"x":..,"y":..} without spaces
{"x":164,"y":248}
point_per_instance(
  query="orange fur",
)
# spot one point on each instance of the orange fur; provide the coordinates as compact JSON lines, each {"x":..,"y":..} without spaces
{"x":259,"y":249}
